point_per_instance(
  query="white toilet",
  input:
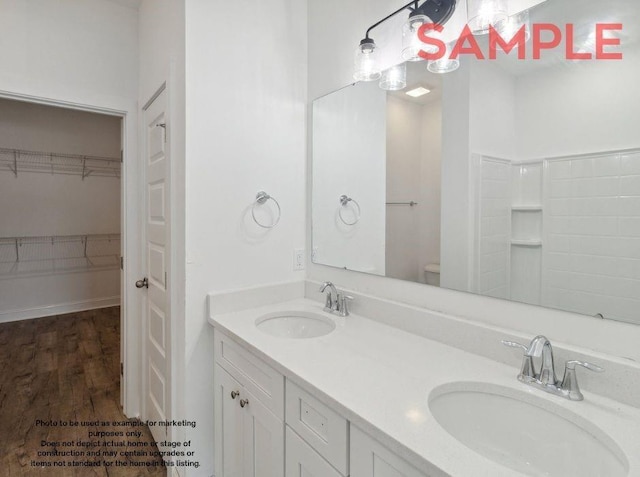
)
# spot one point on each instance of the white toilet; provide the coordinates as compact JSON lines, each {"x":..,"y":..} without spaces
{"x":432,"y":274}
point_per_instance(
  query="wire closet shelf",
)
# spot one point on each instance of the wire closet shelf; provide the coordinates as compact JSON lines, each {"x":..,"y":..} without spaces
{"x":58,"y":253}
{"x":18,"y":160}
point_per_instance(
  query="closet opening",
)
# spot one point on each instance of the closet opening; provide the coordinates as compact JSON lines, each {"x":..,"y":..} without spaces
{"x":61,"y":315}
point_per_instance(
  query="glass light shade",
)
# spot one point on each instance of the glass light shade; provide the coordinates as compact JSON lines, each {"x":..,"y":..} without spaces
{"x":366,"y":64}
{"x":446,"y":64}
{"x":483,"y":14}
{"x":395,"y":78}
{"x":509,"y":27}
{"x":411,"y":44}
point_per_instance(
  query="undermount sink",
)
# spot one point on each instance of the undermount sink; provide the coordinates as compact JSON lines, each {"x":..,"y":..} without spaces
{"x":295,"y":324}
{"x":524,"y":432}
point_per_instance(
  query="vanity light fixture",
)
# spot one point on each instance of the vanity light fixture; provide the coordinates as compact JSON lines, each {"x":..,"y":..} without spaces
{"x":512,"y":25}
{"x":483,"y":14}
{"x":446,"y":64}
{"x":366,"y":67}
{"x":395,"y":78}
{"x":411,"y":43}
{"x":417,"y":92}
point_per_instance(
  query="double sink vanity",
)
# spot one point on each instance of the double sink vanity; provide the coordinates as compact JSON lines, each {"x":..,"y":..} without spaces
{"x":302,"y":390}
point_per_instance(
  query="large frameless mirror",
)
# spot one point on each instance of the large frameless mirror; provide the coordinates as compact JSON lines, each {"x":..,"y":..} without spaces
{"x":516,"y":179}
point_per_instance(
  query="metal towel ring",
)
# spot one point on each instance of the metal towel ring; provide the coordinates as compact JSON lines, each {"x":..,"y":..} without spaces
{"x":261,"y":198}
{"x":344,"y":200}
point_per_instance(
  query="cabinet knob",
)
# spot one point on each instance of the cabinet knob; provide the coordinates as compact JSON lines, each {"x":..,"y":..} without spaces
{"x":235,"y":394}
{"x":244,"y":402}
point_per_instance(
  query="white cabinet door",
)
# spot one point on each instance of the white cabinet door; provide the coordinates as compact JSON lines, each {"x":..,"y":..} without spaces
{"x":303,"y":461}
{"x":369,"y":458}
{"x":228,"y":430}
{"x":262,"y":439}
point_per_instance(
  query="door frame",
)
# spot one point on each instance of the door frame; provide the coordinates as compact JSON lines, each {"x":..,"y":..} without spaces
{"x":130,"y":393}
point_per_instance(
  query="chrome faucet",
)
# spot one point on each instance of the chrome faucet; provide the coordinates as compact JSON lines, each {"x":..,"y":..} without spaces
{"x":336,"y":303}
{"x":545,"y":379}
{"x":541,"y":347}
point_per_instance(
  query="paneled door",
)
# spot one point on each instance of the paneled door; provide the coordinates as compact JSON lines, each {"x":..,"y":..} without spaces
{"x":156,"y":244}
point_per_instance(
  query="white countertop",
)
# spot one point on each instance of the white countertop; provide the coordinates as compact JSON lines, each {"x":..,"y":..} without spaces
{"x":380,"y":378}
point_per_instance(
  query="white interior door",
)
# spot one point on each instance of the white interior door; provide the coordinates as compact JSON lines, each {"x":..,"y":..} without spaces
{"x":156,"y":359}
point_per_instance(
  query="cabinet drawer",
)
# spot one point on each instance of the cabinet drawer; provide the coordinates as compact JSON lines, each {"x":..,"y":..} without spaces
{"x":260,"y":379}
{"x":320,"y":426}
{"x":303,"y":461}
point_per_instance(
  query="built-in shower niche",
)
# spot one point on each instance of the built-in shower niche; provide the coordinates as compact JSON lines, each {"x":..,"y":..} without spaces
{"x":526,"y":232}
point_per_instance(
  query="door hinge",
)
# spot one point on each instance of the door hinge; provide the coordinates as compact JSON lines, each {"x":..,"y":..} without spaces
{"x":121,"y":369}
{"x":121,"y":263}
{"x":121,"y":156}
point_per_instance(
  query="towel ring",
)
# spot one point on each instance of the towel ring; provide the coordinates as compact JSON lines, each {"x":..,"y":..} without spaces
{"x":344,"y":201}
{"x":261,"y":198}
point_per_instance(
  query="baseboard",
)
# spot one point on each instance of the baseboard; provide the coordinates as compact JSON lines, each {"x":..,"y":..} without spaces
{"x":59,"y":309}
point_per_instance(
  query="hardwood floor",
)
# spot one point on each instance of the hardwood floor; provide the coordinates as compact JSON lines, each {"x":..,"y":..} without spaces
{"x":67,"y":368}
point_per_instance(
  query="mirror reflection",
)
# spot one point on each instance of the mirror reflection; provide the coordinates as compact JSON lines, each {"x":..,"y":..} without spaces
{"x":516,"y":179}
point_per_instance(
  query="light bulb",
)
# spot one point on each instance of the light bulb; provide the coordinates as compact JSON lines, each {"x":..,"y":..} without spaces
{"x":366,"y":62}
{"x":395,"y":78}
{"x":483,"y":14}
{"x":411,"y":44}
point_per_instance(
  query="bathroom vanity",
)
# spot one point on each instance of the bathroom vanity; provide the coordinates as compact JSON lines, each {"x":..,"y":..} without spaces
{"x":303,"y":392}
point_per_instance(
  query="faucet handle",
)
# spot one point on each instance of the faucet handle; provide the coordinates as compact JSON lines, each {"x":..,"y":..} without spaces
{"x":513,"y":344}
{"x":570,"y":381}
{"x":343,"y":304}
{"x":571,"y":365}
{"x":527,"y":372}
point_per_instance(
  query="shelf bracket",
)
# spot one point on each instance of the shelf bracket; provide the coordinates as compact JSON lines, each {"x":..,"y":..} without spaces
{"x":15,"y":163}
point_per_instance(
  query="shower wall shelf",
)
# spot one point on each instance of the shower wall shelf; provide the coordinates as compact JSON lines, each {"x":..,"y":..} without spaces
{"x":527,"y":243}
{"x":18,"y":160}
{"x":58,"y":253}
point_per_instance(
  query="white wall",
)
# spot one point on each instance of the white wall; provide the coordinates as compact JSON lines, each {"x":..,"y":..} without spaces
{"x":335,"y":27}
{"x":246,"y":129}
{"x":81,"y":52}
{"x":41,"y":204}
{"x":349,"y":141}
{"x":582,"y":108}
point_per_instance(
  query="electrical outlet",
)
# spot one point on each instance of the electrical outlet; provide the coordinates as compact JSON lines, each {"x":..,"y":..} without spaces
{"x":298,"y":259}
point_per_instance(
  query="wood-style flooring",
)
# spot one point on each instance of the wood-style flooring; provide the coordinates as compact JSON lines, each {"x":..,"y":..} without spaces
{"x":65,"y":368}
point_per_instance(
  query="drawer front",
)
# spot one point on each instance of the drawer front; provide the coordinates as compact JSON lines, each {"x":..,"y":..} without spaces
{"x":303,"y":461}
{"x":260,"y":379}
{"x":320,"y":426}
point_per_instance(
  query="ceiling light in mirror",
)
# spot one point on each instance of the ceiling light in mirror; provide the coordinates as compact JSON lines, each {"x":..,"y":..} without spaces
{"x":417,"y":92}
{"x":483,"y":14}
{"x":395,"y":78}
{"x":411,"y":43}
{"x":366,"y":61}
